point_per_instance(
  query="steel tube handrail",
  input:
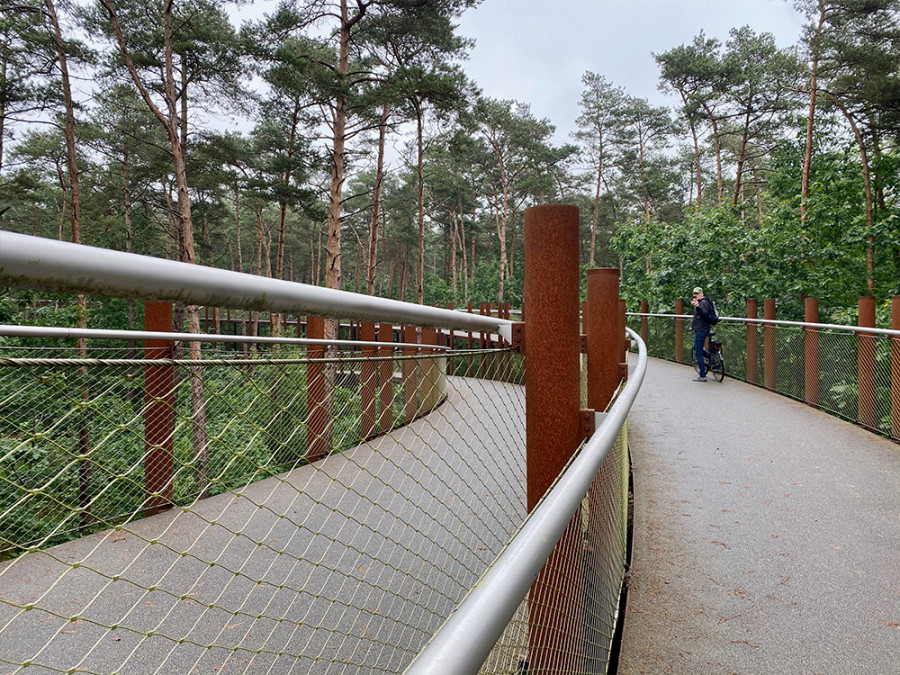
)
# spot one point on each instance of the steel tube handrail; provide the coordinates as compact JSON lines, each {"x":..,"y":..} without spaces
{"x":779,"y":322}
{"x":35,"y":262}
{"x":55,"y":332}
{"x":464,"y":642}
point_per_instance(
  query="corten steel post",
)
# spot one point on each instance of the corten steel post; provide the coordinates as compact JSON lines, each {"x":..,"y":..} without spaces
{"x":428,"y":377}
{"x":318,"y":424}
{"x":895,"y":368}
{"x":368,"y":371}
{"x":385,"y":380}
{"x":602,"y":329}
{"x":410,"y":370}
{"x":159,"y":412}
{"x":552,"y":408}
{"x":450,"y":341}
{"x":866,"y":413}
{"x":752,"y":337}
{"x":811,"y":352}
{"x":679,"y":332}
{"x":644,"y":322}
{"x":624,"y":342}
{"x":769,"y":344}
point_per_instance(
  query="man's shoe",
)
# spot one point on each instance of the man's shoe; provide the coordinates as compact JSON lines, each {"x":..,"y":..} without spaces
{"x":699,"y":379}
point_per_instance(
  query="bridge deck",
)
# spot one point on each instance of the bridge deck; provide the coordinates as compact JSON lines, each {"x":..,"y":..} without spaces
{"x":347,"y":565}
{"x":767,"y":535}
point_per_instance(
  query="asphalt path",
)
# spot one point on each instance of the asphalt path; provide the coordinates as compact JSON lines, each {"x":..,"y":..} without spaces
{"x":766,"y":535}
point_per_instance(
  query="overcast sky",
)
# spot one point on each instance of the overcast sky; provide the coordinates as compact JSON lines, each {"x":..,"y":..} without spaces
{"x":535,"y":51}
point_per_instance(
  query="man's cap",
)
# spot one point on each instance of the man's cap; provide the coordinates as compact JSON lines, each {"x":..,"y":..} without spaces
{"x":697,"y":289}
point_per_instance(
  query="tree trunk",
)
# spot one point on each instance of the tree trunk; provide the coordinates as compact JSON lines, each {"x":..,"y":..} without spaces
{"x":697,"y":163}
{"x":596,"y":210}
{"x":717,"y":144}
{"x":739,"y":172}
{"x":420,"y":174}
{"x":643,"y":180}
{"x":867,"y":183}
{"x":376,"y":202}
{"x":810,"y":119}
{"x":74,"y":205}
{"x":454,"y":236}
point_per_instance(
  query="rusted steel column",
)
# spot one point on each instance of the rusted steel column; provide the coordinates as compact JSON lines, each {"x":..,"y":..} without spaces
{"x":318,"y":422}
{"x":866,"y":414}
{"x":368,"y":371}
{"x":159,"y":412}
{"x":811,"y":352}
{"x":428,"y":372}
{"x":679,"y":332}
{"x":624,"y":342}
{"x":602,"y":329}
{"x":752,"y":337}
{"x":450,"y":343}
{"x":895,"y":368}
{"x":410,"y":370}
{"x":385,"y":380}
{"x":552,"y":408}
{"x":644,"y":321}
{"x":769,"y":344}
{"x":470,"y":339}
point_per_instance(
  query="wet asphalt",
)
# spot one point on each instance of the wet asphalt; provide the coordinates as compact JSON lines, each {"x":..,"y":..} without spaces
{"x":766,"y":538}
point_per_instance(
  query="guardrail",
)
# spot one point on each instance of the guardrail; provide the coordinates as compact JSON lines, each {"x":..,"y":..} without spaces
{"x":849,"y":371}
{"x":326,"y":503}
{"x":482,"y":618}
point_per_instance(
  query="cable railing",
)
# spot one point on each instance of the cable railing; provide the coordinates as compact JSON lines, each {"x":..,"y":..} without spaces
{"x":852,"y":372}
{"x":291,"y":503}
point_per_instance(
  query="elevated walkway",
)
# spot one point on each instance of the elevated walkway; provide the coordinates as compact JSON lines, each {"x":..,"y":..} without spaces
{"x":346,"y":565}
{"x":767,"y":535}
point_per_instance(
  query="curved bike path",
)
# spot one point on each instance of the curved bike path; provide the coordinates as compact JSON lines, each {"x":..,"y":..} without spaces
{"x":766,"y":535}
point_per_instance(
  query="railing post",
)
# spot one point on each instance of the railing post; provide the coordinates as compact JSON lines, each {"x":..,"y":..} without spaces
{"x":409,"y":368}
{"x":450,"y":341}
{"x":752,"y":342}
{"x":895,"y":368}
{"x":159,"y":412}
{"x":430,"y":376}
{"x":318,"y":422}
{"x":769,"y":344}
{"x":679,"y":332}
{"x":811,"y":352}
{"x":624,"y":342}
{"x":602,"y":329}
{"x":643,"y":322}
{"x":385,"y":380}
{"x":866,"y":414}
{"x":552,"y":408}
{"x":367,"y":373}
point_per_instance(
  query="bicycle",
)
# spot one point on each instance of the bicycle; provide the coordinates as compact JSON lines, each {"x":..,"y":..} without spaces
{"x":715,"y":360}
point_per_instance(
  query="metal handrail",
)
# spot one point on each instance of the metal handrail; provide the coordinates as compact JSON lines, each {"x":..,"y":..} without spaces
{"x":466,"y":639}
{"x":35,"y":262}
{"x":779,"y":322}
{"x":55,"y":332}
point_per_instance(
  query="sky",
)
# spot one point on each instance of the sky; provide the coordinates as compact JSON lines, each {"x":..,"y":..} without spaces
{"x":535,"y":51}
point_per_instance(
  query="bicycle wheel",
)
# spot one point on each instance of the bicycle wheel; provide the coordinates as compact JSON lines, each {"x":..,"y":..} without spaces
{"x":717,"y":366}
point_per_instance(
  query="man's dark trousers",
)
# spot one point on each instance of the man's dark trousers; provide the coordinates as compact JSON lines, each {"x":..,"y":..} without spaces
{"x":700,"y":353}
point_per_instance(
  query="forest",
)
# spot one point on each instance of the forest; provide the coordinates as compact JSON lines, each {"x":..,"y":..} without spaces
{"x":267,"y":145}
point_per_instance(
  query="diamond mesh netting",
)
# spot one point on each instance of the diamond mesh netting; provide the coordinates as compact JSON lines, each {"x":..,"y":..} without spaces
{"x":850,"y":374}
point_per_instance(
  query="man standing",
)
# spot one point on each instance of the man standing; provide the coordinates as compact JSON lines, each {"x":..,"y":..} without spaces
{"x":700,"y":324}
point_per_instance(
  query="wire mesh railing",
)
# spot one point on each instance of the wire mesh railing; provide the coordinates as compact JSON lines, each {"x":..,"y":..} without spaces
{"x":267,"y":562}
{"x":557,"y":616}
{"x":848,"y":371}
{"x":289,"y":507}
